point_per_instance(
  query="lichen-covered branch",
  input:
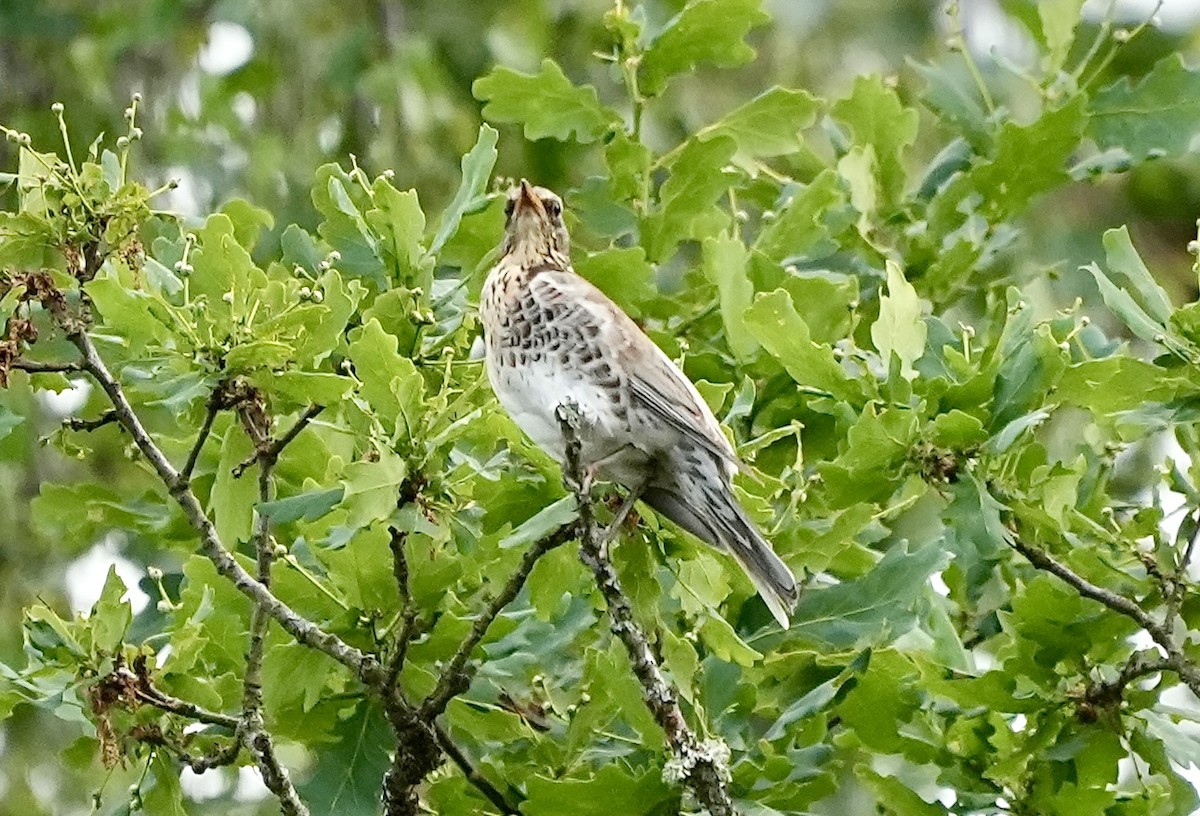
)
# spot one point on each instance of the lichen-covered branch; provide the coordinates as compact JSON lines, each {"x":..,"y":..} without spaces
{"x":702,"y":766}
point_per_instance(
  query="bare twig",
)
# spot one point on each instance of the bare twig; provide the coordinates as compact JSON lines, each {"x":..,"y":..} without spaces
{"x":1161,"y":632}
{"x":456,"y":676}
{"x":271,"y":451}
{"x":35,"y":367}
{"x":79,"y":424}
{"x":702,"y":767}
{"x":212,"y":408}
{"x":472,"y":773}
{"x":253,"y":732}
{"x":408,"y":609}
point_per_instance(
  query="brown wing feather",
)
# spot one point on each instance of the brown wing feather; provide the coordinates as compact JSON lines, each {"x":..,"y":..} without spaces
{"x":653,"y":379}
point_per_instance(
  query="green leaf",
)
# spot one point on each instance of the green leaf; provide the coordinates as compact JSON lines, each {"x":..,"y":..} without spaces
{"x":705,"y":31}
{"x":878,"y":605}
{"x":8,"y":422}
{"x":546,"y":104}
{"x":900,"y":329}
{"x":622,"y":273}
{"x":768,"y":125}
{"x":476,"y":170}
{"x":390,"y":382}
{"x":773,"y":321}
{"x":1059,"y":19}
{"x":232,"y":500}
{"x":347,"y":773}
{"x":699,"y":177}
{"x":542,"y":523}
{"x":1029,"y":160}
{"x":725,"y":263}
{"x":799,"y":229}
{"x":398,"y":219}
{"x":875,"y":116}
{"x":309,"y":506}
{"x":371,"y":488}
{"x":110,"y":616}
{"x":1158,"y":116}
{"x":613,"y":789}
{"x":724,"y":642}
{"x":1127,"y":309}
{"x":1124,"y":260}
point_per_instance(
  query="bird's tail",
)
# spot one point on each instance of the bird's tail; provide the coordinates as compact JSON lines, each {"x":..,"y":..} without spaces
{"x":708,"y":509}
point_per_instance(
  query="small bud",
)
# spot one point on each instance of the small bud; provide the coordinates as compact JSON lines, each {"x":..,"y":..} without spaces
{"x":769,"y":215}
{"x":1064,"y":346}
{"x":585,"y":698}
{"x":135,"y":134}
{"x":279,"y":551}
{"x":742,"y":216}
{"x":389,"y":174}
{"x":1193,"y":247}
{"x":137,"y":97}
{"x":318,"y":296}
{"x":57,"y":108}
{"x":1158,"y":338}
{"x":122,"y":142}
{"x":24,"y":139}
{"x":227,"y":297}
{"x":1085,"y":321}
{"x":155,"y":573}
{"x":335,"y":256}
{"x":1122,"y":35}
{"x":305,"y":293}
{"x":164,"y":606}
{"x":791,"y":269}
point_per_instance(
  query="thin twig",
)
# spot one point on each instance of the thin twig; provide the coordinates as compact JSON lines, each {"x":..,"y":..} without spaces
{"x":79,"y":424}
{"x":35,"y":367}
{"x":703,"y":767}
{"x":253,"y":732}
{"x":173,"y":705}
{"x":456,"y":677}
{"x":211,"y":410}
{"x":1188,"y":671}
{"x":408,"y":609}
{"x":472,"y":773}
{"x":271,"y":452}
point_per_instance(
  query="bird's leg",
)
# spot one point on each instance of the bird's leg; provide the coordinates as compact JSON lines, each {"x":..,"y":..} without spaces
{"x":614,"y":527}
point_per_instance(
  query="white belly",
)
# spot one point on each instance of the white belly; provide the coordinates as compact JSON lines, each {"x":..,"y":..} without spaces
{"x":532,"y":393}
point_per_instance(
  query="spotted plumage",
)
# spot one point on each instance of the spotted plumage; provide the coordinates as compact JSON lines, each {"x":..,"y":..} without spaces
{"x":552,"y":337}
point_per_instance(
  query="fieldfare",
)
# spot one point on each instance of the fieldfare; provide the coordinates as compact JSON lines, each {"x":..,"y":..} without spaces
{"x":551,"y":337}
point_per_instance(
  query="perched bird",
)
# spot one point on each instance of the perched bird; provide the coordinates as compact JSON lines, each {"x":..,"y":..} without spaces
{"x":551,"y":337}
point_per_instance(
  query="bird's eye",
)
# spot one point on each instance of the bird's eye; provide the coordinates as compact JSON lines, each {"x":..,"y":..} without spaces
{"x":509,"y":206}
{"x":553,"y":208}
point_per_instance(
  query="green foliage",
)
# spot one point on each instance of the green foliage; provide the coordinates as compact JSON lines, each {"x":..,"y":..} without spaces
{"x":861,"y":280}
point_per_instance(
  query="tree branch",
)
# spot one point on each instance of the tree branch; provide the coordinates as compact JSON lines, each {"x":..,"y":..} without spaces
{"x":364,"y":666}
{"x":702,"y":767}
{"x":472,"y":773}
{"x":35,"y":367}
{"x":271,"y":452}
{"x":456,"y":676}
{"x":212,"y":408}
{"x":408,"y":609}
{"x":1188,"y":671}
{"x":253,"y":732}
{"x":79,"y":424}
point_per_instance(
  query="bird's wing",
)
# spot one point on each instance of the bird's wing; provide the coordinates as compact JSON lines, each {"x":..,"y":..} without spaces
{"x":654,"y":380}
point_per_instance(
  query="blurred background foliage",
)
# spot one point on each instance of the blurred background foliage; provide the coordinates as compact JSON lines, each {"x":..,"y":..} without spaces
{"x":246,"y":99}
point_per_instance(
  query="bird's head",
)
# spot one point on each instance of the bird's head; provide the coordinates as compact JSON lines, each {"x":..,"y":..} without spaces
{"x":535,"y":222}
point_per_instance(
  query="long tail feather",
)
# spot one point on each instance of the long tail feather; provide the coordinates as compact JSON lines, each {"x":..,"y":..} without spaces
{"x":715,"y":517}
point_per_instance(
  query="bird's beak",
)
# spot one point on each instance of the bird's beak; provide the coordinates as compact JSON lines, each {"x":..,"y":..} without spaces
{"x":527,"y":201}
